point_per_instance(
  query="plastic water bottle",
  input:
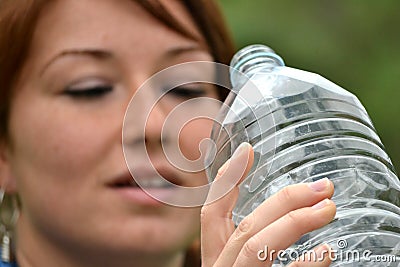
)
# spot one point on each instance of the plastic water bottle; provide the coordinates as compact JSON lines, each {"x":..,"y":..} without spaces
{"x":304,"y":128}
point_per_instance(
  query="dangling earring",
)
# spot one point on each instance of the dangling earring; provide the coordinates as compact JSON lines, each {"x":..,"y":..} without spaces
{"x":6,"y":253}
{"x":8,"y":216}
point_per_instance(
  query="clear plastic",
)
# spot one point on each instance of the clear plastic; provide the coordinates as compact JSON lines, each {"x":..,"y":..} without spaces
{"x":304,"y":128}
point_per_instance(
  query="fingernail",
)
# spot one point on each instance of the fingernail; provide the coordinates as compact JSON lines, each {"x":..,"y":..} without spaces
{"x":319,"y":185}
{"x":321,"y":204}
{"x":240,"y":150}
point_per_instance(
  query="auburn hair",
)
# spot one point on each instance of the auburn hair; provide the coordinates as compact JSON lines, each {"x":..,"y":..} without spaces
{"x":18,"y":20}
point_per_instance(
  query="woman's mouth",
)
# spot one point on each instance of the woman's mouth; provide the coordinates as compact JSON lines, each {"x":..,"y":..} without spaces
{"x":150,"y":187}
{"x":148,"y":183}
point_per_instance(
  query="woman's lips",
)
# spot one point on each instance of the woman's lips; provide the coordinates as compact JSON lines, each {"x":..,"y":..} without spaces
{"x":146,"y":177}
{"x":150,"y":186}
{"x":148,"y":197}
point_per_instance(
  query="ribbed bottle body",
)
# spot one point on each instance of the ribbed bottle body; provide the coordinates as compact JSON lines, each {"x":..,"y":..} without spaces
{"x":307,"y":128}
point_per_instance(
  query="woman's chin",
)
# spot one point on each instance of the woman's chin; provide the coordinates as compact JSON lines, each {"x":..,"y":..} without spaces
{"x":153,"y":234}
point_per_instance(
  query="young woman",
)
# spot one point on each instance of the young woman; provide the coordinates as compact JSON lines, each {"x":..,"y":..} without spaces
{"x":68,"y":69}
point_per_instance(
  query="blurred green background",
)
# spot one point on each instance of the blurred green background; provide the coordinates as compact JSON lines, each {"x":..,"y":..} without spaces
{"x":354,"y":43}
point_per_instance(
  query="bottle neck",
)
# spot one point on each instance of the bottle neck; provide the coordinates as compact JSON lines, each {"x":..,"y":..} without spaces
{"x":250,"y":60}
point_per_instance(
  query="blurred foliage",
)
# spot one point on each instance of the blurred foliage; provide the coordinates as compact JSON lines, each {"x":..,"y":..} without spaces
{"x":354,"y":43}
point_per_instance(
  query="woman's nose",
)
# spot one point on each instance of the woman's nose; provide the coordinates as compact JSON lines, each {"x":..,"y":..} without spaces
{"x":144,"y":119}
{"x":154,"y":134}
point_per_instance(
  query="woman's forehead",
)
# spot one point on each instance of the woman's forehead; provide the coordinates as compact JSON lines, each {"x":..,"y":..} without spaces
{"x":107,"y":18}
{"x":116,"y":25}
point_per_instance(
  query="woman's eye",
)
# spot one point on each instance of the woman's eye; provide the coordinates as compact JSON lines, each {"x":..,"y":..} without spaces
{"x":187,"y":92}
{"x":88,"y":89}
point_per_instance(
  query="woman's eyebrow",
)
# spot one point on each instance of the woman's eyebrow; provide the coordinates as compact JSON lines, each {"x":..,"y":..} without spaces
{"x":175,"y":51}
{"x":95,"y":53}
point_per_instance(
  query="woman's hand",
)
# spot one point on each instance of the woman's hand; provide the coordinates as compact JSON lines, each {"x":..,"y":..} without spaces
{"x":276,"y":224}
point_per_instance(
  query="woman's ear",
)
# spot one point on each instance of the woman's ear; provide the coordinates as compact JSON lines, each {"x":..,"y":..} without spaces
{"x":7,"y":180}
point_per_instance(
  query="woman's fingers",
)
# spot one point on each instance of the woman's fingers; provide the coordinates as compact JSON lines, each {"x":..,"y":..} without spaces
{"x":216,"y":217}
{"x":283,"y":232}
{"x":290,"y":198}
{"x":277,"y":223}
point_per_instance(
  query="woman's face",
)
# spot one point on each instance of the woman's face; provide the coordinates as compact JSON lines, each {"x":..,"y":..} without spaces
{"x":86,"y":61}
